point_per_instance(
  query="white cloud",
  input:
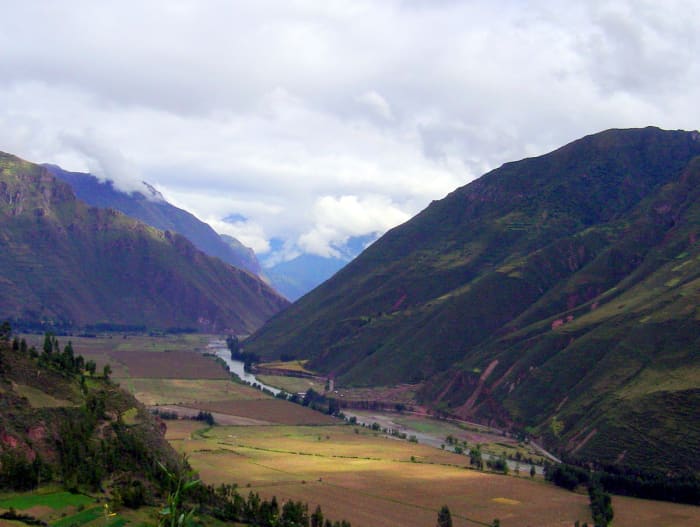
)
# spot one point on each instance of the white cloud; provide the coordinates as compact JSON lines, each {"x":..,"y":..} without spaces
{"x":306,"y":117}
{"x":377,"y":104}
{"x":338,"y":218}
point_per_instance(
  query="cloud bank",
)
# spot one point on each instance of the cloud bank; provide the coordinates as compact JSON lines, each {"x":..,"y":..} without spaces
{"x":313,"y":122}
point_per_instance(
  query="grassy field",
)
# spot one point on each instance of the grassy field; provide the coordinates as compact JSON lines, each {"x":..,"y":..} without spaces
{"x":52,"y":500}
{"x":489,"y":441}
{"x":106,"y":343}
{"x":370,"y":479}
{"x":292,"y":384}
{"x":184,"y":391}
{"x":270,"y":410}
{"x":630,"y":512}
{"x":169,"y":365}
{"x":293,"y":365}
{"x":39,"y":399}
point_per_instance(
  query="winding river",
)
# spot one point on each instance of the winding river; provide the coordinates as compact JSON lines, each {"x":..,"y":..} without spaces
{"x":219,"y":348}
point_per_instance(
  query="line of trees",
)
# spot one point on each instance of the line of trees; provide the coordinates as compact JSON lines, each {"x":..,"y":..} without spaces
{"x":226,"y":504}
{"x":629,"y":481}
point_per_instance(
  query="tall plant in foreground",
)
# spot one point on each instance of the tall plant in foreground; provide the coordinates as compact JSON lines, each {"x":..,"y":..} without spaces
{"x":174,"y":514}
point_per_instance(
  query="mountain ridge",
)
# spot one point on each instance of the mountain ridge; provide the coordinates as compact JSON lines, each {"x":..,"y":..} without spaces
{"x":151,"y":208}
{"x":66,"y":264}
{"x":490,"y":296}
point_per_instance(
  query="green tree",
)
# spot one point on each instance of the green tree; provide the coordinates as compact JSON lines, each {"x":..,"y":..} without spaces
{"x":106,"y":371}
{"x":48,"y":344}
{"x":317,"y":517}
{"x":444,"y":517}
{"x":90,"y":367}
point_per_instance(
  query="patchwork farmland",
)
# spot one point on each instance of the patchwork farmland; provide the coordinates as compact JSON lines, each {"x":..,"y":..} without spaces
{"x":285,"y":450}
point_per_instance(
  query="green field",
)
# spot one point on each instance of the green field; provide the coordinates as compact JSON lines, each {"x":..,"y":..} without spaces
{"x":81,"y":518}
{"x":183,"y":391}
{"x":292,"y":384}
{"x":54,"y":500}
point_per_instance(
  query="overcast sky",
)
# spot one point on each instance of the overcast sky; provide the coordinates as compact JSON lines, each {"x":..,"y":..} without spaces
{"x":313,"y":121}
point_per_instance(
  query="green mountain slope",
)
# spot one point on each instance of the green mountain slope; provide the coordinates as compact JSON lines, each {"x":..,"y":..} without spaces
{"x":66,"y":264}
{"x":82,"y":432}
{"x":557,"y":293}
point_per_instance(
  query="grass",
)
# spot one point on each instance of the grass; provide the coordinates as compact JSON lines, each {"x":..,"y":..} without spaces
{"x":271,"y":410}
{"x":293,"y":365}
{"x":632,"y":512}
{"x":39,"y":399}
{"x":370,"y":480}
{"x":81,"y":518}
{"x":292,"y":384}
{"x":54,"y":500}
{"x":183,"y":391}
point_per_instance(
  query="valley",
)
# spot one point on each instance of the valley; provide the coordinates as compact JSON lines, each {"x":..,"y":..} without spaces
{"x":277,"y":448}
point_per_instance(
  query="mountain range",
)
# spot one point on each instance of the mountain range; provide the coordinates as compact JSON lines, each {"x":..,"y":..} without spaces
{"x":150,"y":207}
{"x":557,"y":295}
{"x":68,"y":265}
{"x":292,"y":278}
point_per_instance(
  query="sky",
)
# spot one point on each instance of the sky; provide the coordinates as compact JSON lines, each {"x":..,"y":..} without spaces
{"x":297,"y":125}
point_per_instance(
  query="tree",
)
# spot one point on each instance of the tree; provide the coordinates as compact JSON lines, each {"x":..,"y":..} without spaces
{"x":106,"y":371}
{"x":48,"y":344}
{"x":90,"y":367}
{"x":317,"y":517}
{"x":532,"y":471}
{"x":444,"y":517}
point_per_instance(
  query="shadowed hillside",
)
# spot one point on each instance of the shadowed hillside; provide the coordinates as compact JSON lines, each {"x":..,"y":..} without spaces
{"x":65,"y":264}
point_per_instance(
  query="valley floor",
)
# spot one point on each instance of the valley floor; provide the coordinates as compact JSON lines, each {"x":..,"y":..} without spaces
{"x":282,"y":449}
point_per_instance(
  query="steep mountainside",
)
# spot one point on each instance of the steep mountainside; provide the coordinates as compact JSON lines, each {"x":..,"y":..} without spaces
{"x":64,"y":263}
{"x":59,"y":424}
{"x":151,"y":208}
{"x":558,"y":293}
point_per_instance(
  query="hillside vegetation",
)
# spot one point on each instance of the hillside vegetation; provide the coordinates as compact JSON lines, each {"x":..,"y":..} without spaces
{"x":65,"y":264}
{"x":61,"y":424}
{"x":557,"y":294}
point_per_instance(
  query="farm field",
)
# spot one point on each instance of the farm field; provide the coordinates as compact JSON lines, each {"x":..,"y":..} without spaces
{"x":271,"y":410}
{"x":106,"y":349}
{"x":183,"y":391}
{"x":292,"y":384}
{"x":63,"y":509}
{"x":168,"y":365}
{"x":489,"y":441}
{"x":631,"y":511}
{"x":370,"y":480}
{"x":292,"y":365}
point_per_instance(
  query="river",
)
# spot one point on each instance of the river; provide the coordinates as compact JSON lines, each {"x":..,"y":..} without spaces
{"x":236,"y":366}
